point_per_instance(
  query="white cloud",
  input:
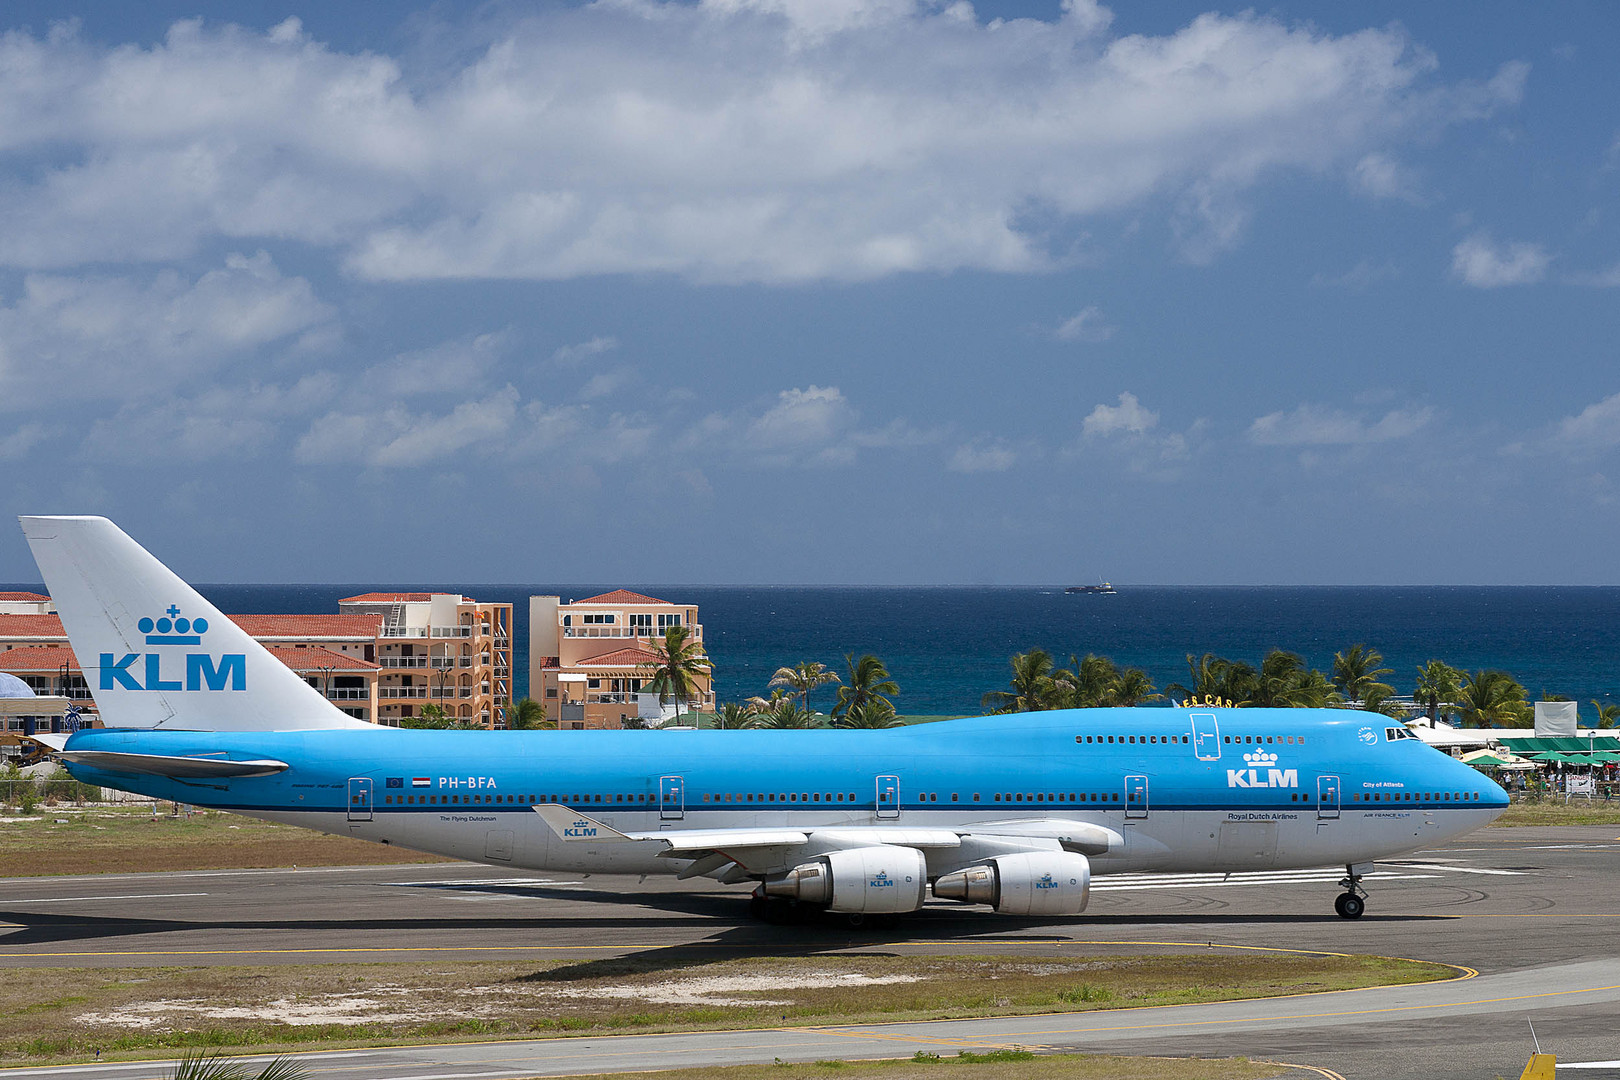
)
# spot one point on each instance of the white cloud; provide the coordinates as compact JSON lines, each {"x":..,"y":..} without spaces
{"x":1312,"y":425}
{"x":219,"y":423}
{"x":982,"y":455}
{"x":744,"y":140}
{"x":15,"y":444}
{"x":1089,"y":325}
{"x":90,"y":337}
{"x":396,"y":437}
{"x":1380,"y":176}
{"x":1595,"y":427}
{"x":446,"y":367}
{"x":1128,"y":416}
{"x":1480,"y":262}
{"x":596,"y":346}
{"x":606,"y":383}
{"x":804,"y":422}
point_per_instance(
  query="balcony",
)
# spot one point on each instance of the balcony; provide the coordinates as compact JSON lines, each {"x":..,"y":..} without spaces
{"x":427,"y":631}
{"x":442,"y":662}
{"x":453,"y":692}
{"x":694,"y":632}
{"x":352,"y":693}
{"x":402,"y":661}
{"x":402,"y":691}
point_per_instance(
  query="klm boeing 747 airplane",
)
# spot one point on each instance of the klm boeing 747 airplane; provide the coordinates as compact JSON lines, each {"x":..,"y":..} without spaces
{"x":1014,"y":812}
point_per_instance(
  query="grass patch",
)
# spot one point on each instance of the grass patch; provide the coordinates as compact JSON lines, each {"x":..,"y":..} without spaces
{"x":68,"y":1014}
{"x":124,"y":840}
{"x":1578,"y":811}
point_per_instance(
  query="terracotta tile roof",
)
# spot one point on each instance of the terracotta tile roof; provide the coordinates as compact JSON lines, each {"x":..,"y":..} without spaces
{"x":619,"y":658}
{"x":346,"y":625}
{"x":31,"y":626}
{"x":388,"y":598}
{"x":317,"y":660}
{"x":622,"y":596}
{"x":38,"y":658}
{"x":24,"y":597}
{"x":548,"y":661}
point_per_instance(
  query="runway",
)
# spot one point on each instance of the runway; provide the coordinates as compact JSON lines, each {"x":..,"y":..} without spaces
{"x":1533,"y":911}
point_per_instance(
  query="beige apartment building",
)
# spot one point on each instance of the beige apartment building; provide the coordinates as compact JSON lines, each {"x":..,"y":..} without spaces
{"x":442,"y":649}
{"x":589,"y":659}
{"x":377,"y":659}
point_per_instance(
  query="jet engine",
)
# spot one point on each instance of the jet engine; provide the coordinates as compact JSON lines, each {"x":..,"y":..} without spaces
{"x":1024,"y":883}
{"x":882,"y":880}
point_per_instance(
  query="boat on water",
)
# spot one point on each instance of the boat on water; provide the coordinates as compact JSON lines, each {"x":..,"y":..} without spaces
{"x":1104,"y":589}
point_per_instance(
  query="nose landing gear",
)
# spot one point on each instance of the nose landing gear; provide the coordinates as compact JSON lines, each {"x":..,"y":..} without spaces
{"x":1351,"y":903}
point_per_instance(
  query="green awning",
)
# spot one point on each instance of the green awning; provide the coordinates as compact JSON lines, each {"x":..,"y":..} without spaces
{"x":1561,"y":744}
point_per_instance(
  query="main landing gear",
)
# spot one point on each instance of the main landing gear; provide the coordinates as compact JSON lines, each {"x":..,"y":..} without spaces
{"x":1351,"y":903}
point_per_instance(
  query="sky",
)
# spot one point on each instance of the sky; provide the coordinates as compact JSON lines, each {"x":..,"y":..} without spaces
{"x":816,"y":291}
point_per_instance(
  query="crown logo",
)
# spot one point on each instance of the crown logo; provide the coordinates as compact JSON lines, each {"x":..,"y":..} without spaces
{"x":172,"y":628}
{"x":1260,"y":759}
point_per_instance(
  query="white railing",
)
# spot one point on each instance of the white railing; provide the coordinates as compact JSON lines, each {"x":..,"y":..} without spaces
{"x":427,"y":631}
{"x":452,"y":661}
{"x":348,"y":693}
{"x":402,"y":661}
{"x":694,"y":632}
{"x":454,"y":692}
{"x":402,"y":691}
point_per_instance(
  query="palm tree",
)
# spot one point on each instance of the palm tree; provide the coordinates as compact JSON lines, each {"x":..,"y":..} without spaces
{"x":1493,"y":699}
{"x":679,"y":665}
{"x":1285,"y":682}
{"x":787,"y":714}
{"x":216,"y":1066}
{"x":804,"y":677}
{"x":1032,"y":686}
{"x":875,"y":713}
{"x":1216,"y":679}
{"x":1438,"y":683}
{"x":1381,"y":699}
{"x":1607,"y":715}
{"x":1087,"y":683}
{"x":1133,"y":687}
{"x":1356,"y":672}
{"x":868,"y":684}
{"x":528,"y":715}
{"x":732,"y":715}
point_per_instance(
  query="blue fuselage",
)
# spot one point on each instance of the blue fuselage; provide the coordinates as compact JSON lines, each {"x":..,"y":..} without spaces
{"x":1190,"y":789}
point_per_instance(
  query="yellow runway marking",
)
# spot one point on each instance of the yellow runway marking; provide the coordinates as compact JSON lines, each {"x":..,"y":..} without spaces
{"x":1317,"y":1069}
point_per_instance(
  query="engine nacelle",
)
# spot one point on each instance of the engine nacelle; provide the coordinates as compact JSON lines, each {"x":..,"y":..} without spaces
{"x":881,"y":880}
{"x":1023,"y":883}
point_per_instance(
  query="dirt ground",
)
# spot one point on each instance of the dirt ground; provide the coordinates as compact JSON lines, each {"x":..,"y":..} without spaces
{"x":60,"y":1014}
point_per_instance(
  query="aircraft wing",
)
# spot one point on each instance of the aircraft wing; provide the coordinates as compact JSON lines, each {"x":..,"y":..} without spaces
{"x":179,"y":768}
{"x":764,"y":849}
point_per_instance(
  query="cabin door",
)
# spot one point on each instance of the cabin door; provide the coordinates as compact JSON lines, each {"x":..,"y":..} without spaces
{"x":1327,"y":798}
{"x":1206,"y":734}
{"x":359,"y":798}
{"x":1136,"y":797}
{"x":888,"y":797}
{"x":671,"y":798}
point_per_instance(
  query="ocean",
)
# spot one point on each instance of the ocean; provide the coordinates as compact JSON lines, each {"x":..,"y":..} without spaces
{"x":947,"y":646}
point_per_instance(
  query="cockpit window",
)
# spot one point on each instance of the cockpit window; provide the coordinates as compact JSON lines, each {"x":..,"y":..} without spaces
{"x":1393,"y":733}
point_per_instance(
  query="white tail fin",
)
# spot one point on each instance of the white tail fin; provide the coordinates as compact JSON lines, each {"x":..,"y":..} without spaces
{"x":155,"y":653}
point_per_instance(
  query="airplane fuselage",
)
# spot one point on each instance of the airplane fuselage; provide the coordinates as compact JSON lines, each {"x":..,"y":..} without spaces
{"x":1182,"y":789}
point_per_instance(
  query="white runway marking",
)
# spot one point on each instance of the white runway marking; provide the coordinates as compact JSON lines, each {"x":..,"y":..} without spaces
{"x":136,"y":896}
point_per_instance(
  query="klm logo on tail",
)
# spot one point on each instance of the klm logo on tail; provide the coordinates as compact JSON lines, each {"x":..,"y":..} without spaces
{"x":145,"y":671}
{"x":1261,"y":773}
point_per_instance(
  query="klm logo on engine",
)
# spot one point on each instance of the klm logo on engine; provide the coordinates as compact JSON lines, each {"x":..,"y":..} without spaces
{"x":881,"y":881}
{"x":1262,"y":773}
{"x":1046,"y":882}
{"x":185,"y":671}
{"x":579,"y":829}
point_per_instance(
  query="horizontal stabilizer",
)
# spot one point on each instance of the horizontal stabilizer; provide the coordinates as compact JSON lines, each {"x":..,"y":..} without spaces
{"x":178,"y":768}
{"x":574,"y":827}
{"x":52,"y":743}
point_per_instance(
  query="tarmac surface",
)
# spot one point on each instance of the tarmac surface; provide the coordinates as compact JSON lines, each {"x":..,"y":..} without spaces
{"x":1531,"y":916}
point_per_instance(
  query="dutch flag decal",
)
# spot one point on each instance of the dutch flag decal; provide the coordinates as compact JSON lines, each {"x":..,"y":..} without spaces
{"x":419,"y":781}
